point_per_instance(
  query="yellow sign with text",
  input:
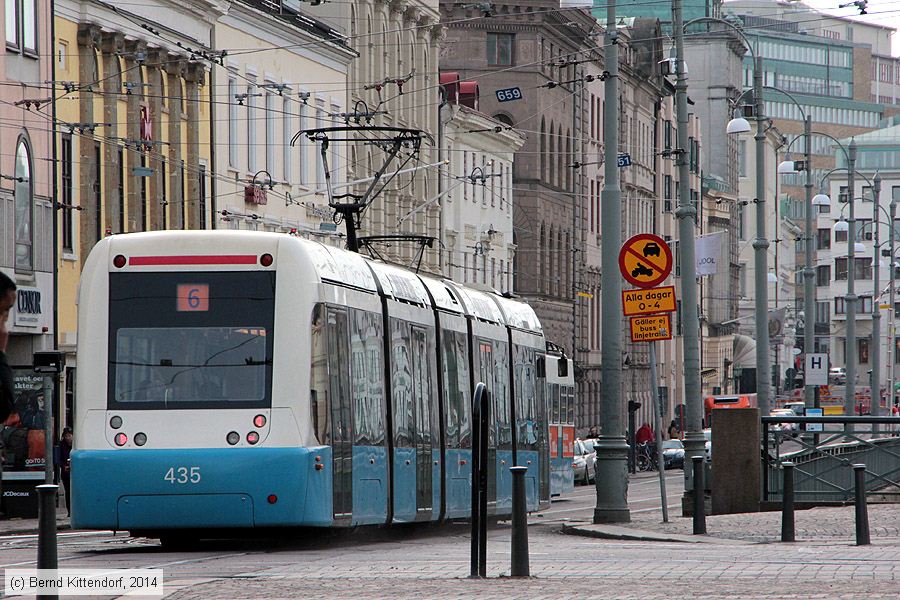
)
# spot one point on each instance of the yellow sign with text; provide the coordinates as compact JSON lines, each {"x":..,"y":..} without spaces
{"x":651,"y":328}
{"x":647,"y":302}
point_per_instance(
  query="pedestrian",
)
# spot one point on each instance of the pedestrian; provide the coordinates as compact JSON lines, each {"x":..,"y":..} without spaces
{"x":673,"y":430}
{"x":592,"y":432}
{"x":7,"y":393}
{"x":895,"y":412}
{"x":65,"y":464}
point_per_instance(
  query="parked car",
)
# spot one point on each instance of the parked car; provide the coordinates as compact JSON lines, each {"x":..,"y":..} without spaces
{"x":785,"y":428}
{"x":837,"y":376}
{"x":798,"y":408}
{"x":673,"y":454}
{"x":583,"y":463}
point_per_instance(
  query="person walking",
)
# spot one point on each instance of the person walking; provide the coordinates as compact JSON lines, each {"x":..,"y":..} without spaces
{"x":65,"y":464}
{"x":7,"y":392}
{"x":673,"y":430}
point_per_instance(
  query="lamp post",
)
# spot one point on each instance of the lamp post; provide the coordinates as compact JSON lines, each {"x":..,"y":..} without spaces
{"x":850,"y":298}
{"x":694,"y":441}
{"x":892,"y":358}
{"x":875,"y":381}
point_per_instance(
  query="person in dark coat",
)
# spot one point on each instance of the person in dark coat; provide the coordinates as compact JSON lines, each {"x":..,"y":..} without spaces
{"x":65,"y":465}
{"x":7,"y":392}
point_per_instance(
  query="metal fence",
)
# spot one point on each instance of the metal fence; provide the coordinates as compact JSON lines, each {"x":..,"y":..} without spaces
{"x":823,"y":450}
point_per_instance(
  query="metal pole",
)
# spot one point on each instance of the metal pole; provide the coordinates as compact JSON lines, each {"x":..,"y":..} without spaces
{"x":875,"y":381}
{"x":788,"y":533}
{"x":657,"y":425}
{"x":483,"y":470}
{"x":694,"y":442}
{"x":862,"y":512}
{"x":48,"y":428}
{"x":809,"y":272}
{"x":699,"y":496}
{"x":850,"y":298}
{"x":519,"y":554}
{"x":760,"y":247}
{"x":611,"y":478}
{"x":46,"y":554}
{"x":892,"y":340}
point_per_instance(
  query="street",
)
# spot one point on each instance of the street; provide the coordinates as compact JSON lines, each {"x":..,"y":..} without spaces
{"x":432,"y":561}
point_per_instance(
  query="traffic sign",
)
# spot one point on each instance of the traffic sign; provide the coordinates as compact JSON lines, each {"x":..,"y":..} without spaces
{"x":509,"y":94}
{"x":648,"y":302}
{"x":651,"y":329}
{"x":645,"y":260}
{"x":815,"y":370}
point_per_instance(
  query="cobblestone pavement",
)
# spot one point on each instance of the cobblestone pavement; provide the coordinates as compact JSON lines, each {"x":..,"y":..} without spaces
{"x":565,"y":566}
{"x":815,"y":524}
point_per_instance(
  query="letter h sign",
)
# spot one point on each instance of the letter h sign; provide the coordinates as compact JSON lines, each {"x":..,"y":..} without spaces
{"x":816,"y":368}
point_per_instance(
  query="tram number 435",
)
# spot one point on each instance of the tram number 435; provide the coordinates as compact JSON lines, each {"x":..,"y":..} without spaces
{"x":183,"y":475}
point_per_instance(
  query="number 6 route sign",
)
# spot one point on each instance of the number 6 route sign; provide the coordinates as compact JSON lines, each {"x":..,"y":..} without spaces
{"x":645,"y":260}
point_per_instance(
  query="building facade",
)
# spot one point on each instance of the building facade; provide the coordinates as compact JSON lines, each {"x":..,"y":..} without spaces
{"x":26,"y":188}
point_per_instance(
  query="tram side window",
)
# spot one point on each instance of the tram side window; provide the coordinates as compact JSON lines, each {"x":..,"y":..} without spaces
{"x":421,"y":385}
{"x":501,"y":395}
{"x":318,"y":380}
{"x":485,"y":368}
{"x":339,"y":376}
{"x":402,"y":383}
{"x":555,"y":415}
{"x":526,"y":396}
{"x":570,"y":402}
{"x":456,"y":388}
{"x":367,"y":372}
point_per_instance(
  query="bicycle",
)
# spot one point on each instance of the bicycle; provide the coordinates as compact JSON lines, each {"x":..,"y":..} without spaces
{"x":646,"y":458}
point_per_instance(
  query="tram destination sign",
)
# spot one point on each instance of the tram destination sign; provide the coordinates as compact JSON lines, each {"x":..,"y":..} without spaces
{"x":648,"y":302}
{"x":651,"y":328}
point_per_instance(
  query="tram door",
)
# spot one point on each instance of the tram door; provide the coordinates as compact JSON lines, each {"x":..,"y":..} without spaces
{"x":341,"y":425}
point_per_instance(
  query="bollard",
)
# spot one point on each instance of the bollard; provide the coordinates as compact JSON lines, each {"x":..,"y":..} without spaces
{"x":788,"y":533}
{"x":46,"y":556}
{"x":862,"y":512}
{"x":478,"y":560}
{"x":699,"y":496}
{"x":519,"y":555}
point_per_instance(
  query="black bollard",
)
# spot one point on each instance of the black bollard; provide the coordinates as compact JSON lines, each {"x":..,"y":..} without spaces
{"x":478,"y":561}
{"x":46,"y":555}
{"x":519,"y":562}
{"x":788,"y":533}
{"x":699,"y":496}
{"x":862,"y":512}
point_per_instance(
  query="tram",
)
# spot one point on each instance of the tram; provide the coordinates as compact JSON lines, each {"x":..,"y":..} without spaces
{"x":236,"y":380}
{"x":561,"y":403}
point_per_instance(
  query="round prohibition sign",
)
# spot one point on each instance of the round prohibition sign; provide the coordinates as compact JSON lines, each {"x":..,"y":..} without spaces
{"x":645,"y":260}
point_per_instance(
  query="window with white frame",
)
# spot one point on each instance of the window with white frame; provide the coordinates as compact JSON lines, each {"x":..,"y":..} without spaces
{"x":232,"y":123}
{"x":286,"y":134}
{"x":251,"y":129}
{"x":270,"y":132}
{"x":21,"y":26}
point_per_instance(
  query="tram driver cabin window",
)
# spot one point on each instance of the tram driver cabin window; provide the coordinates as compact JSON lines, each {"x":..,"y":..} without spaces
{"x":500,"y":49}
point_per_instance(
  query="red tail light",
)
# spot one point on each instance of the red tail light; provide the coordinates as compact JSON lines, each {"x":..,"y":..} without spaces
{"x":252,"y":437}
{"x":119,"y":261}
{"x":121,"y":439}
{"x":266,"y":260}
{"x":272,"y":498}
{"x":259,"y":421}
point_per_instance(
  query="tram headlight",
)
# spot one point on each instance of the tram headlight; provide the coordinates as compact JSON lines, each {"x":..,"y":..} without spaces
{"x":121,"y":439}
{"x":233,"y":437}
{"x":115,"y":422}
{"x":140,"y":439}
{"x":252,"y":437}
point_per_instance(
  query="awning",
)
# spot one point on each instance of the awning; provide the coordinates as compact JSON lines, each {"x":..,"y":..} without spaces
{"x":744,"y":350}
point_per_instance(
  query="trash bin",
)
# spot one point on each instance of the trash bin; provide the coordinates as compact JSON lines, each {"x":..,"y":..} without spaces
{"x":20,"y":500}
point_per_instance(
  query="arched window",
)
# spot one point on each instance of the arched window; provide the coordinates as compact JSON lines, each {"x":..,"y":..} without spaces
{"x":24,"y":197}
{"x":542,"y":261}
{"x":567,"y":161}
{"x":551,"y":150}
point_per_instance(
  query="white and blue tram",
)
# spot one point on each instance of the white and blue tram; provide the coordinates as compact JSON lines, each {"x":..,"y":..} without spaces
{"x":560,"y":382}
{"x":243,"y":379}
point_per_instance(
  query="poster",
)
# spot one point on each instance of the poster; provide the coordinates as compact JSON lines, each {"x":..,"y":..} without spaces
{"x":22,"y":434}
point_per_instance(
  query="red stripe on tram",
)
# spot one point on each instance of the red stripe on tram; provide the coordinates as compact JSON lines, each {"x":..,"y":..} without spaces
{"x":225,"y":259}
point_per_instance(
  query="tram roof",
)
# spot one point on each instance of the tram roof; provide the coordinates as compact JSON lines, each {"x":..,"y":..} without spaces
{"x":400,"y":283}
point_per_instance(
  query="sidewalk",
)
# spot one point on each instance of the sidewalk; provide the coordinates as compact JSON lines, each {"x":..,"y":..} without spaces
{"x":822,"y":524}
{"x":24,"y":526}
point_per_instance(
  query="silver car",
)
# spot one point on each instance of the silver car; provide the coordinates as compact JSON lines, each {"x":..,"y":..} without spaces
{"x":583,"y":462}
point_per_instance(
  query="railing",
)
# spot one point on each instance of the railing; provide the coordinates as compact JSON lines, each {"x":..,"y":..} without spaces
{"x":823,"y":450}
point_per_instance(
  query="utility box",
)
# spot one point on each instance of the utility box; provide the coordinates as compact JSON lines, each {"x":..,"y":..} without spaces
{"x":735,"y":460}
{"x":20,"y":499}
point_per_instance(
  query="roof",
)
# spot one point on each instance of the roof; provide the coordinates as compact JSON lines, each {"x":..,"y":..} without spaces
{"x":878,"y":137}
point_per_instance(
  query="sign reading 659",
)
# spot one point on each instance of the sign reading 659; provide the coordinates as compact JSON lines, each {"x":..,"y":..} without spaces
{"x":508,"y":94}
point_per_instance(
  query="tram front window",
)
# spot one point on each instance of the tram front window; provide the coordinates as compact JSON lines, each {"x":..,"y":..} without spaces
{"x":190,"y":340}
